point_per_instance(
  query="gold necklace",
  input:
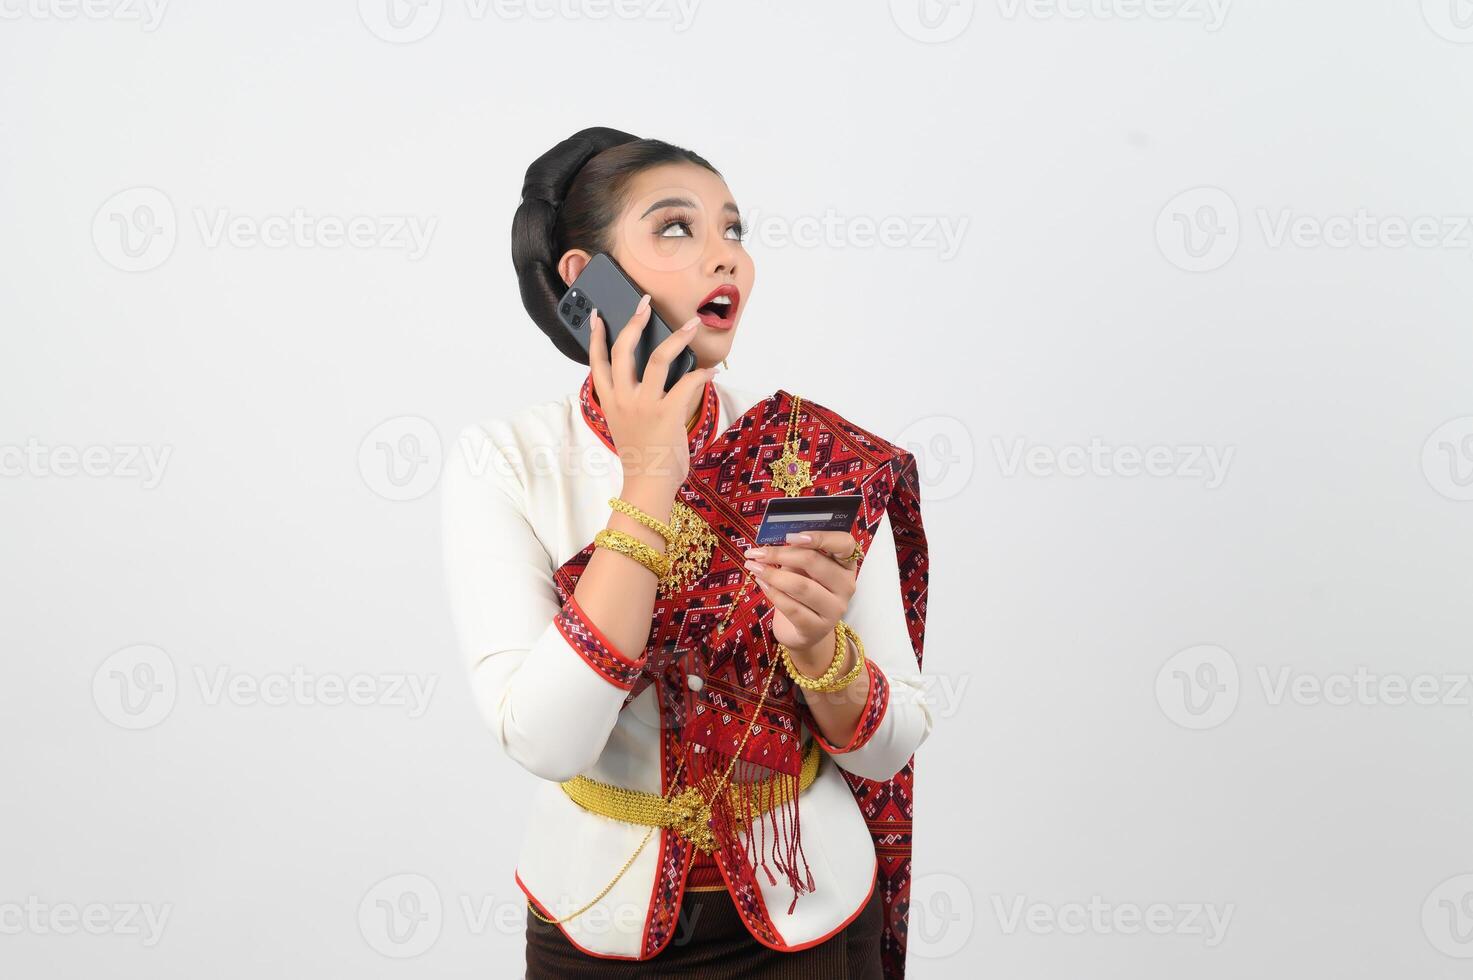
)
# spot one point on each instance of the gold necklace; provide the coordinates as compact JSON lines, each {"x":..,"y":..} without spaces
{"x":789,"y":473}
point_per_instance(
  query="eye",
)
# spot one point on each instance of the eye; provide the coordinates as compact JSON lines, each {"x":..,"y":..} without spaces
{"x":739,"y":228}
{"x":674,"y":221}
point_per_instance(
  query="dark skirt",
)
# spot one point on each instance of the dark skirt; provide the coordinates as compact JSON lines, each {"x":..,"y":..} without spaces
{"x":713,"y":943}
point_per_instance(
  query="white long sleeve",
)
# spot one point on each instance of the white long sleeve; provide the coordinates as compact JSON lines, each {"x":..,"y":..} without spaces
{"x":550,"y":702}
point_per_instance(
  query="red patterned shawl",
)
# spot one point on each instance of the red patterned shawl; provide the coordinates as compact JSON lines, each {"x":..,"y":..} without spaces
{"x":728,"y":485}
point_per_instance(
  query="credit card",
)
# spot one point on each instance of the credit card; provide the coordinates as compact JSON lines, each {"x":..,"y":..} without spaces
{"x":787,"y":515}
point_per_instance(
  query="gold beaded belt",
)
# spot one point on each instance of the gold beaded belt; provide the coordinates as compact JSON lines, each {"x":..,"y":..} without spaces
{"x":687,"y":811}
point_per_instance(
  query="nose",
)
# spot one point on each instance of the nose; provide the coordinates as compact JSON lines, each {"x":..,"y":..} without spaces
{"x":724,"y":256}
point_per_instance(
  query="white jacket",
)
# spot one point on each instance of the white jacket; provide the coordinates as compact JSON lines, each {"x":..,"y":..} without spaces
{"x":520,"y":496}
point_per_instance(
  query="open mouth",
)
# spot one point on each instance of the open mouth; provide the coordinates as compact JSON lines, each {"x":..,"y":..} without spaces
{"x":719,"y":308}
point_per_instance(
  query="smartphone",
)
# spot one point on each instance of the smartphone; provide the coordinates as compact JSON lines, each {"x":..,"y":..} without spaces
{"x":606,"y":287}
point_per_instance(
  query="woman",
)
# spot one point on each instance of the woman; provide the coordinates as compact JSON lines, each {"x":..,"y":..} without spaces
{"x":684,"y":696}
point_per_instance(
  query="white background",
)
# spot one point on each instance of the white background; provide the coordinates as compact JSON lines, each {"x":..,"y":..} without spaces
{"x":1079,"y":754}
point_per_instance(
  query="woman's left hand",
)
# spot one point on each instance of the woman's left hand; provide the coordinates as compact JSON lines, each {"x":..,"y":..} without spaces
{"x":810,"y":589}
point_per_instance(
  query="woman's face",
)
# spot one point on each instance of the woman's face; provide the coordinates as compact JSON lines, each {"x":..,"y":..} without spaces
{"x":679,"y":238}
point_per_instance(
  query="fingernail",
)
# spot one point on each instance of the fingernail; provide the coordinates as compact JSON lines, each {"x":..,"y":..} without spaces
{"x":754,"y":552}
{"x":755,"y":567}
{"x":644,"y":303}
{"x":690,"y":325}
{"x":796,"y":538}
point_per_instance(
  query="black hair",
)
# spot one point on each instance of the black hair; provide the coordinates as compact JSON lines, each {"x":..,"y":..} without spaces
{"x":571,"y":196}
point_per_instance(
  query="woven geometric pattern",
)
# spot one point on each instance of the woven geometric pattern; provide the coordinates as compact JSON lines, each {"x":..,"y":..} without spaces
{"x":729,"y":483}
{"x":590,"y":645}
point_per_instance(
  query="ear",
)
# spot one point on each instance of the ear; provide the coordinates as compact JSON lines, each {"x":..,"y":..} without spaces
{"x":571,"y":265}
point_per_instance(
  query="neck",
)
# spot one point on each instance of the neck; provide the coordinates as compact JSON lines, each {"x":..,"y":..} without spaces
{"x":695,"y":408}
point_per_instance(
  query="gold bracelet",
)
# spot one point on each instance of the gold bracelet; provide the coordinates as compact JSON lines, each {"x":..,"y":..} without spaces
{"x":628,"y":544}
{"x":821,"y":682}
{"x":654,"y":524}
{"x":830,"y":681}
{"x":848,"y":678}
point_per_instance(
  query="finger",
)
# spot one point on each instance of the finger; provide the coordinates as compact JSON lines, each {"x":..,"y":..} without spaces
{"x":838,"y":579}
{"x":624,"y":344}
{"x":598,"y":358}
{"x":658,"y":367}
{"x":839,"y":544}
{"x":691,"y":379}
{"x":804,"y":590}
{"x":802,"y":618}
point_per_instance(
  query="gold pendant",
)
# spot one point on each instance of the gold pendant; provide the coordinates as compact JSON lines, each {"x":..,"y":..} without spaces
{"x":690,"y":817}
{"x":789,"y":473}
{"x":690,"y":551}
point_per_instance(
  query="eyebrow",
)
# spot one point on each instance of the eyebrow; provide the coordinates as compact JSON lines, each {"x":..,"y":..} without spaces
{"x":685,"y":202}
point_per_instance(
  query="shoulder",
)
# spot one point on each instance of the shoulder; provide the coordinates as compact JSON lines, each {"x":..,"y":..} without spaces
{"x":503,"y":445}
{"x":867,"y":437}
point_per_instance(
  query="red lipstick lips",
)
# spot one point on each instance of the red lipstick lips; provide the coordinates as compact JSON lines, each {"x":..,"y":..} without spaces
{"x":719,"y":308}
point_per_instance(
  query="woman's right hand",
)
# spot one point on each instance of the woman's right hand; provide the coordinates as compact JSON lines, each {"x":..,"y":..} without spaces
{"x":646,"y":423}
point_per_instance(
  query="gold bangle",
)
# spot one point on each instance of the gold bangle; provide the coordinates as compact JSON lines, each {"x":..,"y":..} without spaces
{"x":830,"y":681}
{"x":849,"y":678}
{"x":821,"y":682}
{"x":654,"y":524}
{"x":628,"y":544}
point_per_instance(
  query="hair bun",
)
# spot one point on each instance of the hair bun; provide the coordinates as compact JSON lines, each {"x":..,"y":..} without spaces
{"x":534,"y":228}
{"x":550,"y":175}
